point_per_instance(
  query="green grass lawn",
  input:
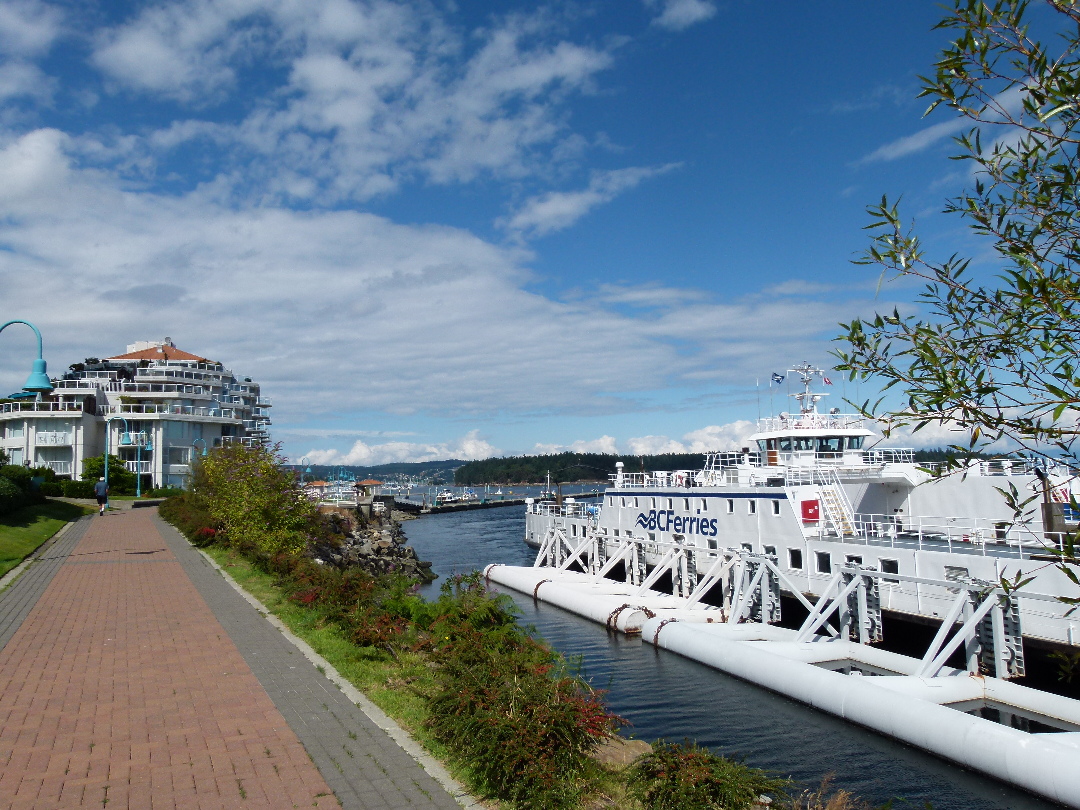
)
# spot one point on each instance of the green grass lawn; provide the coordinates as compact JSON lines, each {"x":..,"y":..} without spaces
{"x":22,"y":531}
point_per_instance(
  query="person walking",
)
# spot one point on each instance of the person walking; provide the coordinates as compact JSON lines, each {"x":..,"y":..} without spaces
{"x":101,"y":491}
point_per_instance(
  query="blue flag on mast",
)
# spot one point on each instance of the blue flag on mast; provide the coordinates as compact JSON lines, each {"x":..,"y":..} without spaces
{"x":776,"y":378}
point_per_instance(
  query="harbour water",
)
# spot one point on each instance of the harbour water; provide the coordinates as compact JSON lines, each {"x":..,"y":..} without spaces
{"x":666,"y":696}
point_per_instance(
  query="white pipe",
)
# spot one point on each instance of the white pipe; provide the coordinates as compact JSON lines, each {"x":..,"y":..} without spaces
{"x":1031,"y":761}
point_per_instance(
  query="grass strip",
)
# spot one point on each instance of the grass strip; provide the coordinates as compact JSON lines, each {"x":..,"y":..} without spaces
{"x":23,"y":531}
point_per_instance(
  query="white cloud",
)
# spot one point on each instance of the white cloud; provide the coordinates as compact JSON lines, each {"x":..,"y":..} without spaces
{"x":22,"y":79}
{"x":605,"y":444}
{"x":676,"y":15}
{"x":468,"y":447}
{"x":556,"y":210}
{"x":27,"y":27}
{"x":374,"y":93}
{"x":708,"y":439}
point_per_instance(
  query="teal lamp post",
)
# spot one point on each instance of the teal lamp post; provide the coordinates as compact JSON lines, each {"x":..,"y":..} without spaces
{"x":38,"y":381}
{"x":203,"y":453}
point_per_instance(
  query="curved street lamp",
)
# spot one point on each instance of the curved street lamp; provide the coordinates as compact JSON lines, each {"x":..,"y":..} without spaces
{"x":107,"y":434}
{"x":38,"y":381}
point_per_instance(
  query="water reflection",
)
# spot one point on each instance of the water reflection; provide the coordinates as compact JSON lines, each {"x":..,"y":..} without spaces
{"x":665,"y":695}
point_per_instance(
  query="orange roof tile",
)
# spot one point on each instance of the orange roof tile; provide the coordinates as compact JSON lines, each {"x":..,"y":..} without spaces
{"x":160,"y":353}
{"x":370,"y":482}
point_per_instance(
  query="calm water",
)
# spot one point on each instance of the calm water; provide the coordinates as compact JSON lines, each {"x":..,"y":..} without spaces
{"x":665,"y":695}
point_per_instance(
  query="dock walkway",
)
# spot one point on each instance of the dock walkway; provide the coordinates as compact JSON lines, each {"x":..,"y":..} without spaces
{"x":132,"y":675}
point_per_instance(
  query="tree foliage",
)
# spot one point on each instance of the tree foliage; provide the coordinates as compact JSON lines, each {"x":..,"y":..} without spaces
{"x":121,"y":479}
{"x":567,"y":467}
{"x":255,"y":500}
{"x":997,"y":357}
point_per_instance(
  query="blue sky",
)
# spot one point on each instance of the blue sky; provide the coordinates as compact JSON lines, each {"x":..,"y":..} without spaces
{"x":465,"y":228}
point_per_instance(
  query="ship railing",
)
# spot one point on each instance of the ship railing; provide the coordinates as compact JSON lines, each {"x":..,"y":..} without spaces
{"x":811,"y":421}
{"x":39,"y":407}
{"x":570,"y":510}
{"x":983,"y":536}
{"x":656,"y":480}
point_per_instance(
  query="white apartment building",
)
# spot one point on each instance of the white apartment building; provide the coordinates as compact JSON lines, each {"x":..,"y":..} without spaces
{"x":160,"y":406}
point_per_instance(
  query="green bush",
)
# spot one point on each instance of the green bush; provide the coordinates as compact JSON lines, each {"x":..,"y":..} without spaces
{"x":163,"y":492}
{"x":121,"y":479}
{"x":77,"y":489}
{"x":188,"y":513}
{"x":11,"y":497}
{"x":51,"y":489}
{"x":18,"y":475}
{"x":677,"y":776}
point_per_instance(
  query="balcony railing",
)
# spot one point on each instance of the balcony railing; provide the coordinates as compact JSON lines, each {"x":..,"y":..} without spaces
{"x":139,"y":467}
{"x":179,"y":410}
{"x":58,"y":467}
{"x":40,"y":407}
{"x":53,"y":439}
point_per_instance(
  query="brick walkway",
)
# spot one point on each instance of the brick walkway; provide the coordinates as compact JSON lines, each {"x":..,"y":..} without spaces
{"x":120,"y":687}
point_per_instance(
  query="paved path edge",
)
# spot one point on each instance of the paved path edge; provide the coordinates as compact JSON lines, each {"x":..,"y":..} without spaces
{"x":434,"y":768}
{"x":30,"y":558}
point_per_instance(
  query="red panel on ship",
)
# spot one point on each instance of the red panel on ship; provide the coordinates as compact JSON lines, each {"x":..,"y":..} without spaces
{"x":811,"y":511}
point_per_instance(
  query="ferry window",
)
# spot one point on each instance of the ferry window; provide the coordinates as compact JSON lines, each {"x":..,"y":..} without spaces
{"x":686,"y":504}
{"x":770,"y":444}
{"x":623,"y":501}
{"x":747,"y":547}
{"x":610,"y":501}
{"x":854,"y":559}
{"x":669,"y":503}
{"x":652,"y":537}
{"x":776,"y":507}
{"x":824,"y":562}
{"x":730,"y":506}
{"x":803,"y":443}
{"x":652,"y":502}
{"x":615,"y":532}
{"x":573,"y":530}
{"x":761,"y":445}
{"x":890,"y":567}
{"x":635,"y":503}
{"x":704,"y":505}
{"x":751,"y":507}
{"x":854,"y":442}
{"x":829,"y":444}
{"x":770,"y":551}
{"x":712,"y":542}
{"x":785,"y":444}
{"x":794,"y":558}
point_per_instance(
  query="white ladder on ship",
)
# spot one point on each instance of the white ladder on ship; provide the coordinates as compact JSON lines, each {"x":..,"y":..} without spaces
{"x":835,"y":503}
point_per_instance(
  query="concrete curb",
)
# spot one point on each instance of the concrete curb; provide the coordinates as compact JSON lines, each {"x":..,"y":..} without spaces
{"x":377,"y":716}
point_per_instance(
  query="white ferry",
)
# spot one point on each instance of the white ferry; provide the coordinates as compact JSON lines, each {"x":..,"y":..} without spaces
{"x":814,"y":492}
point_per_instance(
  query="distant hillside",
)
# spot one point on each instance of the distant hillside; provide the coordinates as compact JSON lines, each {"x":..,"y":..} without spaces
{"x":437,"y":471}
{"x":567,"y":467}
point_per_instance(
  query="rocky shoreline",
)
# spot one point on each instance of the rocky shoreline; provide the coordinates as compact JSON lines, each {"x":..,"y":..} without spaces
{"x":376,"y":545}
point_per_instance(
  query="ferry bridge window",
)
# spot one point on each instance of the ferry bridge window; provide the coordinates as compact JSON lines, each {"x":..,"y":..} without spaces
{"x":830,"y":444}
{"x":824,"y":562}
{"x":794,"y":558}
{"x":785,"y":444}
{"x":803,"y":442}
{"x":776,"y":507}
{"x":761,"y":445}
{"x":855,"y":442}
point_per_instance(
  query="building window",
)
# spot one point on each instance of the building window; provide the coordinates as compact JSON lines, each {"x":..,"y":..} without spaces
{"x":824,"y":562}
{"x":794,"y":558}
{"x":751,"y":507}
{"x":776,"y":507}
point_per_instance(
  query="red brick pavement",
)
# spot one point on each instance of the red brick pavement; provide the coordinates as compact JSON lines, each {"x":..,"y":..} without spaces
{"x":121,"y":685}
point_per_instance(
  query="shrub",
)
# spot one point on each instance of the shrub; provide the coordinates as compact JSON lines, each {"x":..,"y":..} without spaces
{"x":677,"y":776}
{"x":189,"y":514}
{"x":510,"y":707}
{"x":51,"y":489}
{"x":121,"y":479}
{"x":11,"y":497}
{"x":18,"y":475}
{"x":163,"y":492}
{"x":77,"y":489}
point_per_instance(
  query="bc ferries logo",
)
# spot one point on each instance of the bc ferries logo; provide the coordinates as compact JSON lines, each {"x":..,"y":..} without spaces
{"x":665,"y":520}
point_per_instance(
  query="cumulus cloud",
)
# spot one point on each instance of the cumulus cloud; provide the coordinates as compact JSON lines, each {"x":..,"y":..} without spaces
{"x":468,"y":447}
{"x":28,"y":27}
{"x":373,"y":93}
{"x":676,"y":15}
{"x":605,"y":444}
{"x":556,"y":210}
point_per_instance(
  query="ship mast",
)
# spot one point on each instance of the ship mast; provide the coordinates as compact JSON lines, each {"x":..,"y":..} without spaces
{"x":807,"y":400}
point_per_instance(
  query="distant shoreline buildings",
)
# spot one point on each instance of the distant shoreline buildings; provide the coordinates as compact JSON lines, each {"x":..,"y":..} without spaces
{"x":161,"y":405}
